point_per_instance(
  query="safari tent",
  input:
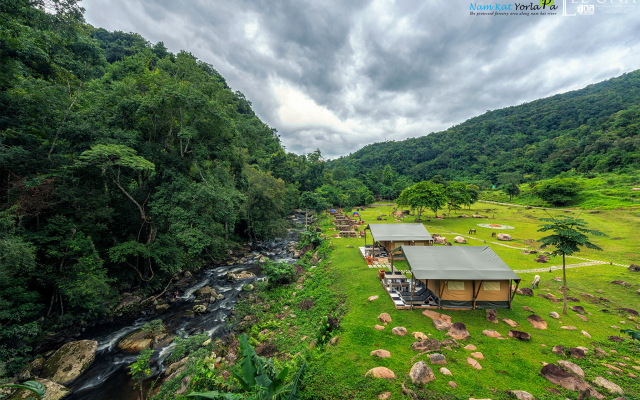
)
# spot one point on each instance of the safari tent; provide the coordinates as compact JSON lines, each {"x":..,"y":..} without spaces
{"x":462,"y":276}
{"x":391,"y":236}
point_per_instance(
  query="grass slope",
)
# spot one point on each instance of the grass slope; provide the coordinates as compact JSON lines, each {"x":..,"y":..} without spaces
{"x":507,"y":364}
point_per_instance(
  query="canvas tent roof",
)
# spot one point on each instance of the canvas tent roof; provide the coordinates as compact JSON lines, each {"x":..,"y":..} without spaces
{"x":398,"y":232}
{"x":457,"y":263}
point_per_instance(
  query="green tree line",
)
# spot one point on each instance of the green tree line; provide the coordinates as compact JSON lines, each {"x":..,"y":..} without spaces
{"x":120,"y":165}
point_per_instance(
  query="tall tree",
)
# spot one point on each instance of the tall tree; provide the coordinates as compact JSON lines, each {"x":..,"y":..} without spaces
{"x":569,"y":235}
{"x":423,"y":195}
{"x":457,"y":195}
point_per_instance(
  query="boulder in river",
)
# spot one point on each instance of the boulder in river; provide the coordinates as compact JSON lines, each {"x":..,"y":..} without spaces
{"x":69,"y":361}
{"x":54,"y":391}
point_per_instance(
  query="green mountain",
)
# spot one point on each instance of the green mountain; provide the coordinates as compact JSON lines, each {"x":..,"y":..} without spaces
{"x":595,"y":129}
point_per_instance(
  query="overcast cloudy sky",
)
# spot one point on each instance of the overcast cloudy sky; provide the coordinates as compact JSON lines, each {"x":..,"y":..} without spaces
{"x":337,"y":75}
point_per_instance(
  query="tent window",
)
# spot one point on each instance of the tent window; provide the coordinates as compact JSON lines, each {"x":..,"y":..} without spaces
{"x":455,"y":285}
{"x":491,"y":285}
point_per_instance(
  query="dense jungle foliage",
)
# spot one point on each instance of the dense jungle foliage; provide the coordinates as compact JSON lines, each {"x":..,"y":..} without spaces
{"x":120,"y":164}
{"x":595,"y":129}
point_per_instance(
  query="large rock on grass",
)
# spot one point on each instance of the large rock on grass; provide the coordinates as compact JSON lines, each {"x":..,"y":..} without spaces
{"x":491,"y":333}
{"x":436,"y":315}
{"x":571,"y":367}
{"x":426,"y":344}
{"x":380,"y":353}
{"x":458,"y":331}
{"x":381,"y":373}
{"x":399,"y":330}
{"x":69,"y":361}
{"x":610,"y":386}
{"x":441,"y":325}
{"x":537,"y":322}
{"x":421,"y":373}
{"x":559,"y":376}
{"x":384,"y":318}
{"x":520,"y":335}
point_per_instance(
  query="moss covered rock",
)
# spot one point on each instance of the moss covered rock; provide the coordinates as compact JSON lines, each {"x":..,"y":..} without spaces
{"x":69,"y":361}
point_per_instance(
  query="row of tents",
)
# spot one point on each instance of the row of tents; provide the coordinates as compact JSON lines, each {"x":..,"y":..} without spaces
{"x":460,"y":276}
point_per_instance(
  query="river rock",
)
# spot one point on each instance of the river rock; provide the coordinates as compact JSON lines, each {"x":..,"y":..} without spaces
{"x":460,"y":239}
{"x":421,"y":373}
{"x":554,"y":315}
{"x":379,"y":327}
{"x":32,"y":370}
{"x":559,"y":376}
{"x":69,"y":361}
{"x":381,"y":372}
{"x":537,"y":322}
{"x":373,"y":298}
{"x":54,"y":391}
{"x":240,"y":275}
{"x":206,"y":291}
{"x":199,"y":309}
{"x":458,"y":331}
{"x":127,"y":301}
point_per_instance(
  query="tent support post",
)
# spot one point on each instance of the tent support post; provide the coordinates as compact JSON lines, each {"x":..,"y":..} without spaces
{"x":512,"y":295}
{"x":413,"y":288}
{"x":473,"y":290}
{"x":440,"y":295}
{"x":392,"y":261}
{"x":476,"y":293}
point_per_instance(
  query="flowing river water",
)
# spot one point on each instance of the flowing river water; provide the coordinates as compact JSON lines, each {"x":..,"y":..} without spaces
{"x":107,"y":378}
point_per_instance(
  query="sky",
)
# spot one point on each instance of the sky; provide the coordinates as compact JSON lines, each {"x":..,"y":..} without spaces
{"x":338,"y":75}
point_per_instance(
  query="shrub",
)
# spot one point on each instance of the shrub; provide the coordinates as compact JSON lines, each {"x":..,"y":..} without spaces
{"x":558,"y":191}
{"x":278,"y":273}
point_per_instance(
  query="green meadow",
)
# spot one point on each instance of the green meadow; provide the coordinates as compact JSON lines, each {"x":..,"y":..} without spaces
{"x":509,"y":364}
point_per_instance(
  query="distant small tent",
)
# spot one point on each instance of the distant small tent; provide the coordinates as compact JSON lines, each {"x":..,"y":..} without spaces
{"x":462,"y":276}
{"x":355,"y":214}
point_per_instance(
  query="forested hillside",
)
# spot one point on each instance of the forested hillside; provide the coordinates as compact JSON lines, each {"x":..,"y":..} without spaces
{"x":120,"y":164}
{"x":595,"y":129}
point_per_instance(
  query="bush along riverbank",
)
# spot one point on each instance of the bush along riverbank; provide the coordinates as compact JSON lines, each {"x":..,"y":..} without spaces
{"x":282,"y":324}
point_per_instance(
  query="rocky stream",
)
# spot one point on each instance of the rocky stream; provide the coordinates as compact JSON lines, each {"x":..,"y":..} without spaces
{"x":206,"y":300}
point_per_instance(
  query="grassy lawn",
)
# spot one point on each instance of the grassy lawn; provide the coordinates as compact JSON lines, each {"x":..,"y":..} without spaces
{"x":508,"y":364}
